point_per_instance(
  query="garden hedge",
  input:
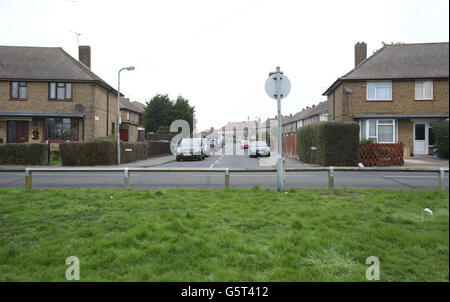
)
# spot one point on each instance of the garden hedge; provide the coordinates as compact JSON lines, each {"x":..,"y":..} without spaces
{"x":440,"y":131}
{"x":100,"y":152}
{"x":24,"y":154}
{"x":329,"y":143}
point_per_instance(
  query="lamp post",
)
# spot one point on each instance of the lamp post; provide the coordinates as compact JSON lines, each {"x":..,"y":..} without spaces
{"x":118,"y":112}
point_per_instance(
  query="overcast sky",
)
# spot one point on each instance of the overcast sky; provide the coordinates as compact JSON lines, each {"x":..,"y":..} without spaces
{"x":218,"y":54}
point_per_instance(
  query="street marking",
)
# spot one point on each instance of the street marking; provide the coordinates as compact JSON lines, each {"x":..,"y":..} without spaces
{"x":212,"y":165}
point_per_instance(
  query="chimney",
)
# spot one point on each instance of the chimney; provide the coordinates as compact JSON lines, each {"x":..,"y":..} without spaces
{"x":84,"y":55}
{"x":360,"y":52}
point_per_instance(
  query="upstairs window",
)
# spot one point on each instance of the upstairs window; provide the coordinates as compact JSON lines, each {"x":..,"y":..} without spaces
{"x":424,"y":90}
{"x":379,"y":91}
{"x":19,"y":90}
{"x":60,"y":91}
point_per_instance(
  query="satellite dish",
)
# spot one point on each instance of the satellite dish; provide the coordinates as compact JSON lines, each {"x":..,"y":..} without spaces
{"x":79,"y":107}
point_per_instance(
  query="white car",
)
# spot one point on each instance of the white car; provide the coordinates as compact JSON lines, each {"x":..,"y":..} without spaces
{"x":258,"y":148}
{"x":190,"y":148}
{"x":205,"y":147}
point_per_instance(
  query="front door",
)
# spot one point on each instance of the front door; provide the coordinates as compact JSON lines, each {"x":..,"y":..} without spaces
{"x":420,"y":138}
{"x":124,"y":135}
{"x":17,"y":131}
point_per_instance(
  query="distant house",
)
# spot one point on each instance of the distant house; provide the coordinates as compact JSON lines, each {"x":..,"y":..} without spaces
{"x":309,"y":115}
{"x":131,"y":127}
{"x":46,"y":95}
{"x":396,"y":95}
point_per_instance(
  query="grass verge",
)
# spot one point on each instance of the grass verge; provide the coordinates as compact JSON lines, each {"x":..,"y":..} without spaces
{"x":223,"y":235}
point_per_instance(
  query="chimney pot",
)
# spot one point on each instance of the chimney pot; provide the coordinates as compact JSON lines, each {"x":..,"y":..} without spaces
{"x":84,"y":55}
{"x":360,"y":52}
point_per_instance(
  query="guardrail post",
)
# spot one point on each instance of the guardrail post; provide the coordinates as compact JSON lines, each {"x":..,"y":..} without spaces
{"x":227,"y":178}
{"x":441,"y":180}
{"x":28,"y":179}
{"x":126,"y":179}
{"x":331,"y":178}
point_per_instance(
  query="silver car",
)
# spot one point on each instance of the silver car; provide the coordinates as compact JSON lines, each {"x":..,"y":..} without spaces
{"x":258,"y":148}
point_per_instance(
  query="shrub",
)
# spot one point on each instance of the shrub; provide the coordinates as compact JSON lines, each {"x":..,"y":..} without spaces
{"x":24,"y":154}
{"x":100,"y":151}
{"x":440,"y":131}
{"x":329,"y":143}
{"x":367,"y":141}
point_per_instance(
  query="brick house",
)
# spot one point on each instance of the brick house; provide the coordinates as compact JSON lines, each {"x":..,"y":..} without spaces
{"x":131,"y":126}
{"x":46,"y":95}
{"x":396,"y":95}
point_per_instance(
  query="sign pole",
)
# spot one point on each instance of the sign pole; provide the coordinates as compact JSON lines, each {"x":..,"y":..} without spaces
{"x":280,"y":172}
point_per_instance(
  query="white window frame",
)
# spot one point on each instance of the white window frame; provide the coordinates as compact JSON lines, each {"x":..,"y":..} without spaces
{"x":394,"y":132}
{"x":128,"y":115}
{"x":422,"y":83}
{"x":384,"y":84}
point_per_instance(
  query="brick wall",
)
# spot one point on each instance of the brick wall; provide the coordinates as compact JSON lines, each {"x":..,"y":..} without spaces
{"x":403,"y":100}
{"x":93,"y":97}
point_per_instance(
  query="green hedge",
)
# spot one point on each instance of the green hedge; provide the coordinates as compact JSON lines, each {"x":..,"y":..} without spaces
{"x":100,"y":152}
{"x":336,"y":143}
{"x":24,"y":154}
{"x":440,"y":131}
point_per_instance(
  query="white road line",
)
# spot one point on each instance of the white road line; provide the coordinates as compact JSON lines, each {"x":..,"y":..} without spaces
{"x":212,"y":165}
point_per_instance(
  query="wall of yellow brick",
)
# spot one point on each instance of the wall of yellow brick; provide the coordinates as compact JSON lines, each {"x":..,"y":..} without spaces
{"x":405,"y":136}
{"x":92,"y":96}
{"x":403,"y":99}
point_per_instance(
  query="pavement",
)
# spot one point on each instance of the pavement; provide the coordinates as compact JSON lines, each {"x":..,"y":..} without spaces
{"x":426,"y":161}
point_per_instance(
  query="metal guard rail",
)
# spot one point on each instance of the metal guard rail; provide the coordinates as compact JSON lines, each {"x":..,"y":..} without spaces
{"x":330,"y":170}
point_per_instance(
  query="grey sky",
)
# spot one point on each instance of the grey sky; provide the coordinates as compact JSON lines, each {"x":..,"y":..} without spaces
{"x":218,"y":54}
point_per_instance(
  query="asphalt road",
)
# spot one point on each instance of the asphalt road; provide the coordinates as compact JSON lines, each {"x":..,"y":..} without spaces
{"x":386,"y":180}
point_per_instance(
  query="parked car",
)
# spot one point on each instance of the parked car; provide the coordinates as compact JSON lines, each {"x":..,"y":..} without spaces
{"x":205,"y":147}
{"x":190,"y":148}
{"x":258,"y":148}
{"x":245,"y":143}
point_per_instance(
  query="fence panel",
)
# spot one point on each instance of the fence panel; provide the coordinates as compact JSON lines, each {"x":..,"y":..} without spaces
{"x":381,"y":154}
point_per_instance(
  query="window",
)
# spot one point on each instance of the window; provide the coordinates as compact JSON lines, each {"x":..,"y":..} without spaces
{"x":424,"y":90}
{"x":381,"y":131}
{"x":60,"y":91}
{"x":128,"y":115}
{"x":113,"y":128}
{"x":19,"y":90}
{"x":61,"y":129}
{"x":132,"y":116}
{"x":379,"y":91}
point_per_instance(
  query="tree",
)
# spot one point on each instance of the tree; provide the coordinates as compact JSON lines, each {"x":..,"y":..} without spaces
{"x":183,"y":111}
{"x":160,"y":112}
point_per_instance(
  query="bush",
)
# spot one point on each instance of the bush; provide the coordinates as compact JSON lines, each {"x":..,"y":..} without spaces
{"x":440,"y":131}
{"x":334,"y":143}
{"x":100,"y":152}
{"x":24,"y":154}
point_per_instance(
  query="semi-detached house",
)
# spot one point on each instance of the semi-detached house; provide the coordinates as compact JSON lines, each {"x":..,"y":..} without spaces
{"x":396,"y":95}
{"x":46,"y":95}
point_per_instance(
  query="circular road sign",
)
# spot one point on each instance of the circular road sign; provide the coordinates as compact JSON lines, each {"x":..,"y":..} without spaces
{"x":271,"y":86}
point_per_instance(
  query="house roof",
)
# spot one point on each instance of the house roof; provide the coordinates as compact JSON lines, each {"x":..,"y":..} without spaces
{"x":320,"y":108}
{"x":44,"y":64}
{"x":132,"y":106}
{"x":401,"y":61}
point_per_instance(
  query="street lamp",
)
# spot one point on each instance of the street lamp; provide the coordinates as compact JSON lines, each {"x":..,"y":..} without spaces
{"x":129,"y":68}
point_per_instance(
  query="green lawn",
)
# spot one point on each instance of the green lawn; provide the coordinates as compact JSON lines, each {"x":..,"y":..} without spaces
{"x":223,"y":235}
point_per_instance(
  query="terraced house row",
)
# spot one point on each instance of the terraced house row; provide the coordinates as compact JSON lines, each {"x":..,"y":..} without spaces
{"x":46,"y":95}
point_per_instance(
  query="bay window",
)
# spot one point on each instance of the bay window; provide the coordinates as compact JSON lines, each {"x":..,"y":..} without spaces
{"x":380,"y":131}
{"x":379,"y":91}
{"x":60,"y":91}
{"x":61,"y":129}
{"x":424,"y":90}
